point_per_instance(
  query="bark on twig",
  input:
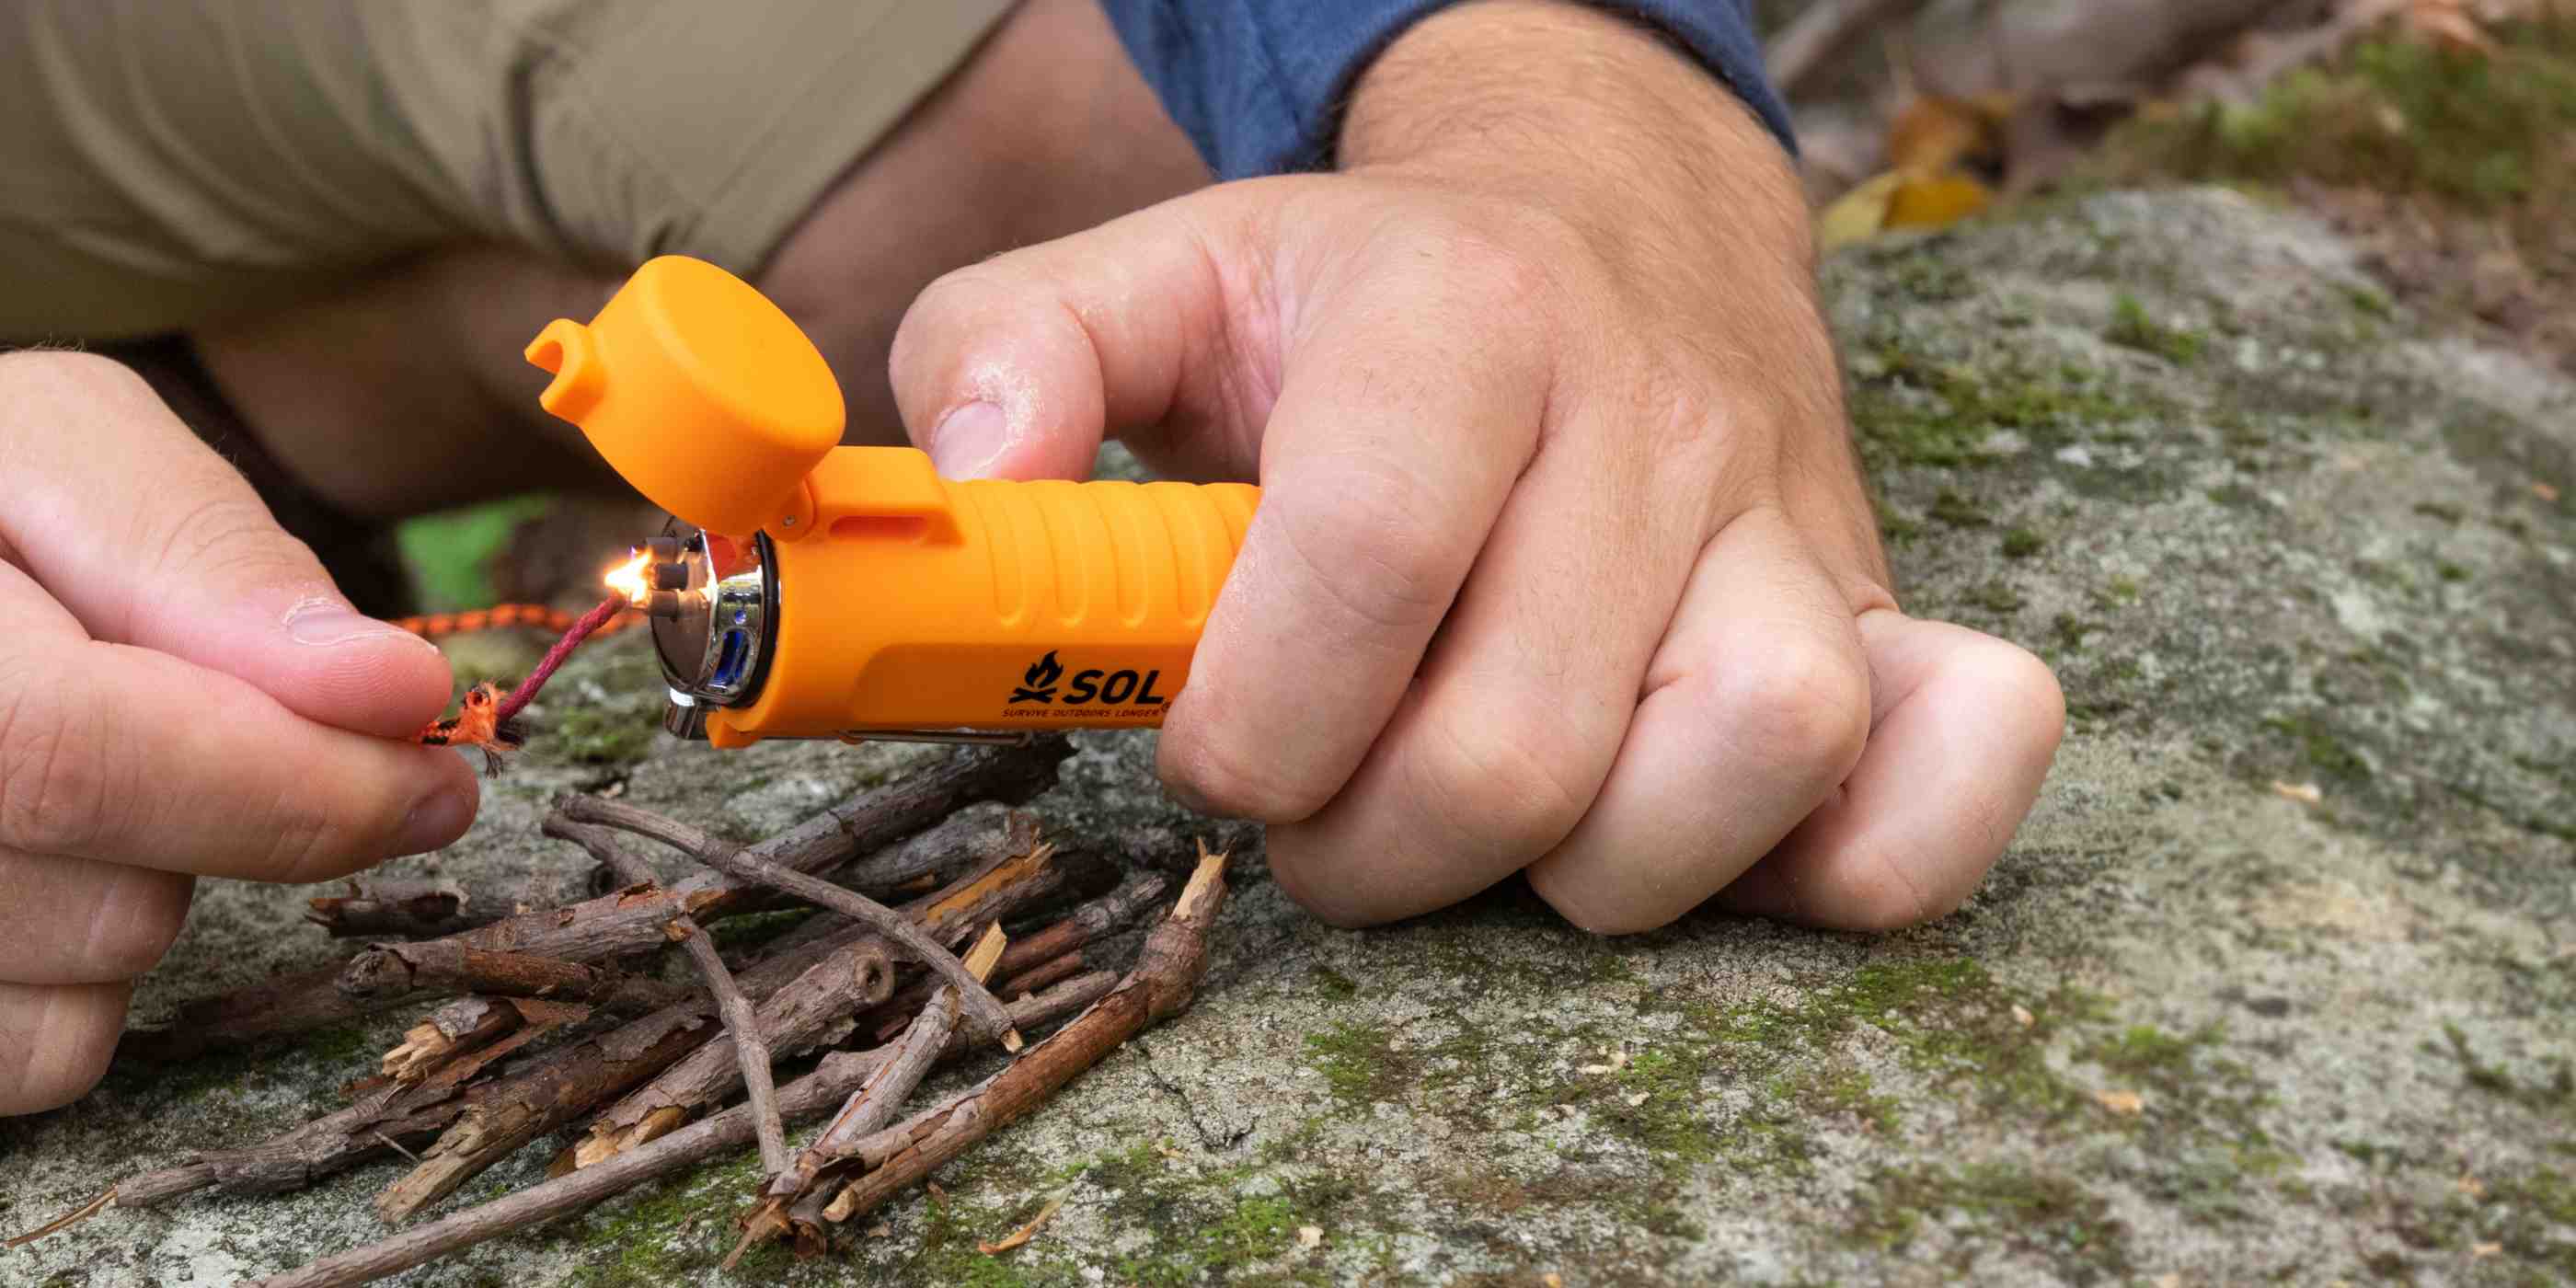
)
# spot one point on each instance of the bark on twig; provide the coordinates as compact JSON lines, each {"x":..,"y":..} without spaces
{"x":626,"y":921}
{"x":1100,"y":917}
{"x":1020,"y":963}
{"x":870,"y":823}
{"x":281,"y":1004}
{"x":530,"y":1102}
{"x":407,"y":910}
{"x":868,"y":1109}
{"x":807,"y":1010}
{"x":734,"y":861}
{"x":826,"y":1086}
{"x":452,"y":967}
{"x":470,"y":1027}
{"x":742,"y":1023}
{"x":1165,"y":977}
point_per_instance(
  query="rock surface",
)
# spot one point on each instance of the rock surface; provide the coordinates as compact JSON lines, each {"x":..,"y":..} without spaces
{"x":2274,"y":534}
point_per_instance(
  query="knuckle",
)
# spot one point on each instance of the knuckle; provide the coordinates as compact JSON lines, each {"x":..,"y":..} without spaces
{"x":1500,"y":787}
{"x":1589,"y":908}
{"x":141,"y":920}
{"x":1229,"y":779}
{"x":307,"y":844}
{"x":1382,"y":554}
{"x":1307,"y":879}
{"x":1870,"y":892}
{"x":1500,"y":269}
{"x":228,"y":535}
{"x":1509,"y":278}
{"x":54,"y":1044}
{"x":1805,"y":703}
{"x":56,"y":775}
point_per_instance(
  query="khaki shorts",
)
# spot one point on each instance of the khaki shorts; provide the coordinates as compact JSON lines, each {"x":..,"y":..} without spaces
{"x":165,"y":161}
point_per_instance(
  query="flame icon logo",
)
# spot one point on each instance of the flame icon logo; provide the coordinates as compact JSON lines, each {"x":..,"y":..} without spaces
{"x":1038,"y":684}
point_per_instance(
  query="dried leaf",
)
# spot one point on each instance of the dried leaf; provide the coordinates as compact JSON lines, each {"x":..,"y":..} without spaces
{"x":1937,"y":201}
{"x":1933,"y":134}
{"x":1857,"y":215}
{"x":2303,"y":793}
{"x":1022,"y":1235}
{"x":2123,"y":1103}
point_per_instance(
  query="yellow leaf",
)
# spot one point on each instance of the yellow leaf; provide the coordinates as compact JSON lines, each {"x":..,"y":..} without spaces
{"x":1857,"y":215}
{"x":1936,"y":202}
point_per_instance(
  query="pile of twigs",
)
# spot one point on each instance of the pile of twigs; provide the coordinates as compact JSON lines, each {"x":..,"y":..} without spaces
{"x":541,"y":1020}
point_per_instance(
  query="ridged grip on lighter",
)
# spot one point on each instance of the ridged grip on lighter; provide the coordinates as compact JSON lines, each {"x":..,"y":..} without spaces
{"x":1076,"y":555}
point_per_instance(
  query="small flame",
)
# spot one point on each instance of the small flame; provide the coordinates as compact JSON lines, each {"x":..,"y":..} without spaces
{"x":628,"y":578}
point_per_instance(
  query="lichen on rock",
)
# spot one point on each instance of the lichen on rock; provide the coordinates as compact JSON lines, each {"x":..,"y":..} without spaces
{"x":2272,"y":531}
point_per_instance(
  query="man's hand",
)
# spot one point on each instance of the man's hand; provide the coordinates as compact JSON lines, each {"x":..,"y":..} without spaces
{"x":1563,"y":562}
{"x":181,"y":692}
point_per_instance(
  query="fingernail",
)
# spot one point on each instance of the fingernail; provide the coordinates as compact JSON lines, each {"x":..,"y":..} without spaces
{"x":323,"y":621}
{"x":970,"y":439}
{"x":435,"y":820}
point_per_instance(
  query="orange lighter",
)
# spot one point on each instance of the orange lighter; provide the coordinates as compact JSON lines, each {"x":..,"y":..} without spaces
{"x":810,"y":590}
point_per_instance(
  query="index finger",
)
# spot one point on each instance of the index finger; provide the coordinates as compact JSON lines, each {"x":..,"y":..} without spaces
{"x":122,"y":754}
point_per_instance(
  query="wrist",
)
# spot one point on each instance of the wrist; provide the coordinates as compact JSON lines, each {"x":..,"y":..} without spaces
{"x":1574,"y":108}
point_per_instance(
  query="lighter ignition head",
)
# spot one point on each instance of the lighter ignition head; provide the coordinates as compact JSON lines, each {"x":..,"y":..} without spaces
{"x":714,"y":610}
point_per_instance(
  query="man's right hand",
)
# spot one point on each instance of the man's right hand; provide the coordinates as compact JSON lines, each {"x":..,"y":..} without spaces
{"x":182,"y":691}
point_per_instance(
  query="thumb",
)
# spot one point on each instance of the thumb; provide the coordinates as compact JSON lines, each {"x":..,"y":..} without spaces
{"x":152,"y":540}
{"x":1018,"y":366}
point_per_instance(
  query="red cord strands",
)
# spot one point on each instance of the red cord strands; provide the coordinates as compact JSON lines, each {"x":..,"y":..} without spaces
{"x":489,"y":720}
{"x":498,"y":617}
{"x":590,"y":622}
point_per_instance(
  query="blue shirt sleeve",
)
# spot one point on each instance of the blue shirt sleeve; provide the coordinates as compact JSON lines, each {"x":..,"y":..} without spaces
{"x":1259,"y":84}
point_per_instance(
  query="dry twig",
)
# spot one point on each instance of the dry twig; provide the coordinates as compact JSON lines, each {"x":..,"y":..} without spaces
{"x":406,"y":910}
{"x":626,"y":921}
{"x":445,"y":965}
{"x":551,"y":1093}
{"x":742,"y":1023}
{"x":1166,"y":976}
{"x":474,"y":1027}
{"x":807,"y":1009}
{"x":835,"y":1078}
{"x":868,"y":1109}
{"x":887,"y":824}
{"x":734,"y":861}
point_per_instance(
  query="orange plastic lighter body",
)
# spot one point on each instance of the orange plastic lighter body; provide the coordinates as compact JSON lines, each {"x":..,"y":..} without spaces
{"x":896,"y":599}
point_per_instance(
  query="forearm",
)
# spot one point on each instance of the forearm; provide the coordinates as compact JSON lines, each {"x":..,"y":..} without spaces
{"x":1654,"y":171}
{"x":1598,"y":118}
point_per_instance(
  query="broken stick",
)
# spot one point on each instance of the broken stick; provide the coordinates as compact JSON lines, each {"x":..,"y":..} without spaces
{"x":446,"y":965}
{"x":549,"y":1094}
{"x":1164,"y":979}
{"x":734,"y":861}
{"x":868,"y":1109}
{"x":826,"y":1086}
{"x":742,"y":1023}
{"x":625,"y":922}
{"x":809,"y":1009}
{"x":406,"y":909}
